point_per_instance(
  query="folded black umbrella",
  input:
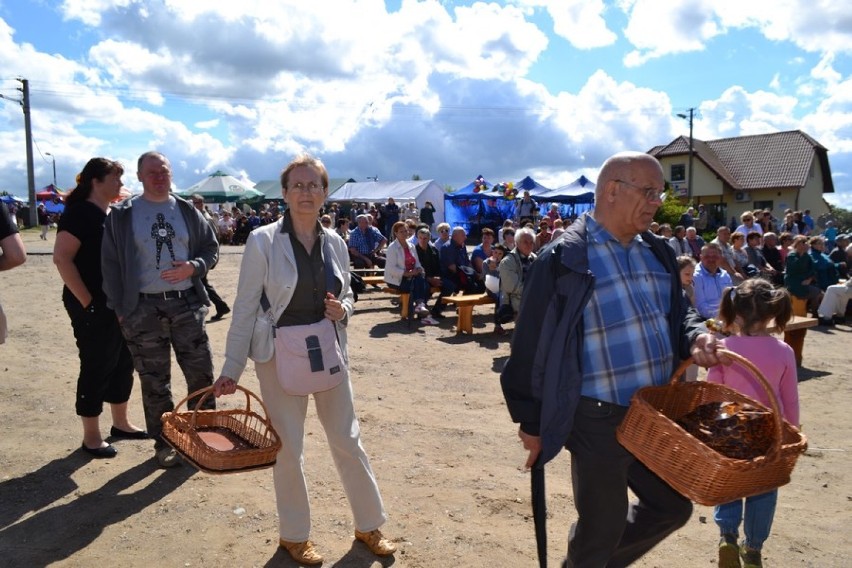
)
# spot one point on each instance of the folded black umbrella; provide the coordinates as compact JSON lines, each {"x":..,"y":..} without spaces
{"x":539,"y":507}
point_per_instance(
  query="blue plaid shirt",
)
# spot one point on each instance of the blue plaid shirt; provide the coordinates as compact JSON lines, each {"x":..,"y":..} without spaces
{"x":365,"y":243}
{"x":626,"y":332}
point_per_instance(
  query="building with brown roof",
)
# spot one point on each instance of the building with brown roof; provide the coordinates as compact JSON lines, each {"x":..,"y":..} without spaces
{"x":778,"y":171}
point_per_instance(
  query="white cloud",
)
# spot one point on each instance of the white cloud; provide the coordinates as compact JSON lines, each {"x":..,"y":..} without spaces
{"x":579,"y":22}
{"x":658,"y":29}
{"x":207,"y":124}
{"x":663,"y":28}
{"x":739,"y":112}
{"x":820,"y":26}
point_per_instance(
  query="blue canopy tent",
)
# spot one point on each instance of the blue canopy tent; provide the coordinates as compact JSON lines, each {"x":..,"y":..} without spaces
{"x":53,"y":206}
{"x":473,"y":209}
{"x":9,"y":199}
{"x":529,"y":184}
{"x":477,"y":205}
{"x":573,"y":199}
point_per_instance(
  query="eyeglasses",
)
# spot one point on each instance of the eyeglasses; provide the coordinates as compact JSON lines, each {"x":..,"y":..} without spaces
{"x":309,"y":188}
{"x":651,"y":193}
{"x":445,"y":230}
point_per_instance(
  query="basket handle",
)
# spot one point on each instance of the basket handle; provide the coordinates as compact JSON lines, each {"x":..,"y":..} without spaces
{"x":207,"y":391}
{"x":774,"y":450}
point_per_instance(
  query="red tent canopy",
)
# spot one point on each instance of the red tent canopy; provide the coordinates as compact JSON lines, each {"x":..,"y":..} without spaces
{"x":49,"y":192}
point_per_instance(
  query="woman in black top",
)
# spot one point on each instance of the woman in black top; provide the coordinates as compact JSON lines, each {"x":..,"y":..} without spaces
{"x":106,"y":367}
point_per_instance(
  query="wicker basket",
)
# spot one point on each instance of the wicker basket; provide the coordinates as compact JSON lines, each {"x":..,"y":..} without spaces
{"x":222,"y":441}
{"x":692,"y":468}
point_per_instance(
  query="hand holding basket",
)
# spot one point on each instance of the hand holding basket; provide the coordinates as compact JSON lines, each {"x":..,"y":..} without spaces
{"x":691,"y":467}
{"x":222,"y":441}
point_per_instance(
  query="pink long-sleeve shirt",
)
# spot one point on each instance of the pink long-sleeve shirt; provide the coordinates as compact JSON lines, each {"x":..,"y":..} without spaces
{"x":776,"y":361}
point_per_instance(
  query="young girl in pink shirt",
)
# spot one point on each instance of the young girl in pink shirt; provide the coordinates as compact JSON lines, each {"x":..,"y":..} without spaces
{"x":746,"y":312}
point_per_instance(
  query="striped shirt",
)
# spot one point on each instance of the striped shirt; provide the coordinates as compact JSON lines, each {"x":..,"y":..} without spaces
{"x":627,"y":340}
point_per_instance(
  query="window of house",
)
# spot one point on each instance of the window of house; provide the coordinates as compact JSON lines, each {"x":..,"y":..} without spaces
{"x":678,"y":172}
{"x":763,"y":205}
{"x":716,"y":215}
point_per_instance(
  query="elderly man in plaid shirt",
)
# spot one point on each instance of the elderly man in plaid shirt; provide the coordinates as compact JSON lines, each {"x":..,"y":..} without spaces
{"x":602,"y":315}
{"x":366,"y":244}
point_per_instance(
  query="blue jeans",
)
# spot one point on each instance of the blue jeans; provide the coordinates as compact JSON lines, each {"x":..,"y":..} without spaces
{"x":759,"y":512}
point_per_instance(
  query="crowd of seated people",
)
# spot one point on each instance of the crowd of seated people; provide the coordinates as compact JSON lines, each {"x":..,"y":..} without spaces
{"x":787,"y":252}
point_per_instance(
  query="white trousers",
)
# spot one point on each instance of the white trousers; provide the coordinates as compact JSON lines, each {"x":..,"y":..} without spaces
{"x":834,"y":301}
{"x":336,"y":413}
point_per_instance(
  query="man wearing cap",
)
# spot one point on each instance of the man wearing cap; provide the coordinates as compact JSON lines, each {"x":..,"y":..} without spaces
{"x":156,"y":249}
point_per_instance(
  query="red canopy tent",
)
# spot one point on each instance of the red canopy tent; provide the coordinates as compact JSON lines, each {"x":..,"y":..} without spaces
{"x":49,"y":193}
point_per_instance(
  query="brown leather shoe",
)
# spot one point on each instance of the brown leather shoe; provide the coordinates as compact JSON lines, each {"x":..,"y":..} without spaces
{"x":302,"y":552}
{"x":376,"y":542}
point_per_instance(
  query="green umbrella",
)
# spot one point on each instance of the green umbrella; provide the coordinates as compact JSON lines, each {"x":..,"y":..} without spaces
{"x":220,"y":187}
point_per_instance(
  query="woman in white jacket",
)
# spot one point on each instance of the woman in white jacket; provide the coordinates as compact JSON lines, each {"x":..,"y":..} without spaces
{"x":279,"y":285}
{"x":403,"y":270}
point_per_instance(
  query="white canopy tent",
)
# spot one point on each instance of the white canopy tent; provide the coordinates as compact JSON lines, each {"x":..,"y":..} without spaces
{"x":369,"y":192}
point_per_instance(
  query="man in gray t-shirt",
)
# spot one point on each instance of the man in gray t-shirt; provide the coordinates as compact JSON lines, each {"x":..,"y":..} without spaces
{"x":156,"y":250}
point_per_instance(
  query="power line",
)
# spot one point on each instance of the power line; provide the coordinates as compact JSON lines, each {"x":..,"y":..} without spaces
{"x":143,"y":95}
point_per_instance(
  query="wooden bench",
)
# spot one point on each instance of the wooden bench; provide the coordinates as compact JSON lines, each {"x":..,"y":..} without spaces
{"x":404,"y":298}
{"x":795,"y":337}
{"x":375,"y":281}
{"x":464,"y":303}
{"x":794,"y":333}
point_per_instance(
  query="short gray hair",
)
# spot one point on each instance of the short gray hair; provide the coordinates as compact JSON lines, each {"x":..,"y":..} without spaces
{"x":524,"y":231}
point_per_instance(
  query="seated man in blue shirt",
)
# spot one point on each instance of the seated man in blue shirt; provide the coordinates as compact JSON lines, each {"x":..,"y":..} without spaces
{"x":366,"y":244}
{"x":457,"y":273}
{"x":710,"y":281}
{"x":603,"y":314}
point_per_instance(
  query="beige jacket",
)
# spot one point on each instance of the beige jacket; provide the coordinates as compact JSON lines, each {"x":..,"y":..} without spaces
{"x":269,"y":265}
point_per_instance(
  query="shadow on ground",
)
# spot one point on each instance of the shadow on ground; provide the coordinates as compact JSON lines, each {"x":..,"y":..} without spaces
{"x":806,"y":374}
{"x":55,"y":533}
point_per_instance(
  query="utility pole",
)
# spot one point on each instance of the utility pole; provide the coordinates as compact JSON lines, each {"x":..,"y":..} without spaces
{"x":689,"y":179}
{"x":25,"y":103}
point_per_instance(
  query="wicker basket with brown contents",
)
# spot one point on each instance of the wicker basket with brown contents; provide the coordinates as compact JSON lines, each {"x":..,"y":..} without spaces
{"x":650,"y":432}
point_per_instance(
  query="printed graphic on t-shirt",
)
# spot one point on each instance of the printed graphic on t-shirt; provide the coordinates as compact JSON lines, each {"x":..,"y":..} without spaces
{"x":162,"y":232}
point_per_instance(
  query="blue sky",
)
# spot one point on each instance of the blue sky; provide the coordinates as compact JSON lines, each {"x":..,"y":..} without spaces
{"x":444,"y":90}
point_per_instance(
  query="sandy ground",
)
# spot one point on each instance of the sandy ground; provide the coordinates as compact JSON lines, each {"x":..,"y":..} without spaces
{"x":434,"y":423}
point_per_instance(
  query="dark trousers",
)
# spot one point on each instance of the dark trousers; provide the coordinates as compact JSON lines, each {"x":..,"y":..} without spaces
{"x":416,"y":286}
{"x":215,"y":299}
{"x":152,"y":330}
{"x":106,"y":367}
{"x":377,"y":260}
{"x":609,"y":530}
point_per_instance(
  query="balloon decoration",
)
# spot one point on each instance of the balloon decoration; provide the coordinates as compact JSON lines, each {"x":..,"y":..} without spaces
{"x":479,"y":184}
{"x":507,"y":189}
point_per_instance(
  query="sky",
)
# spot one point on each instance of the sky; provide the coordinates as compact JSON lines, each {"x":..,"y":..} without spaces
{"x":397,"y":88}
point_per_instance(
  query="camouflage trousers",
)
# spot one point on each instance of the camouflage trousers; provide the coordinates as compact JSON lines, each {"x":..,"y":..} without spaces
{"x":151,"y":331}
